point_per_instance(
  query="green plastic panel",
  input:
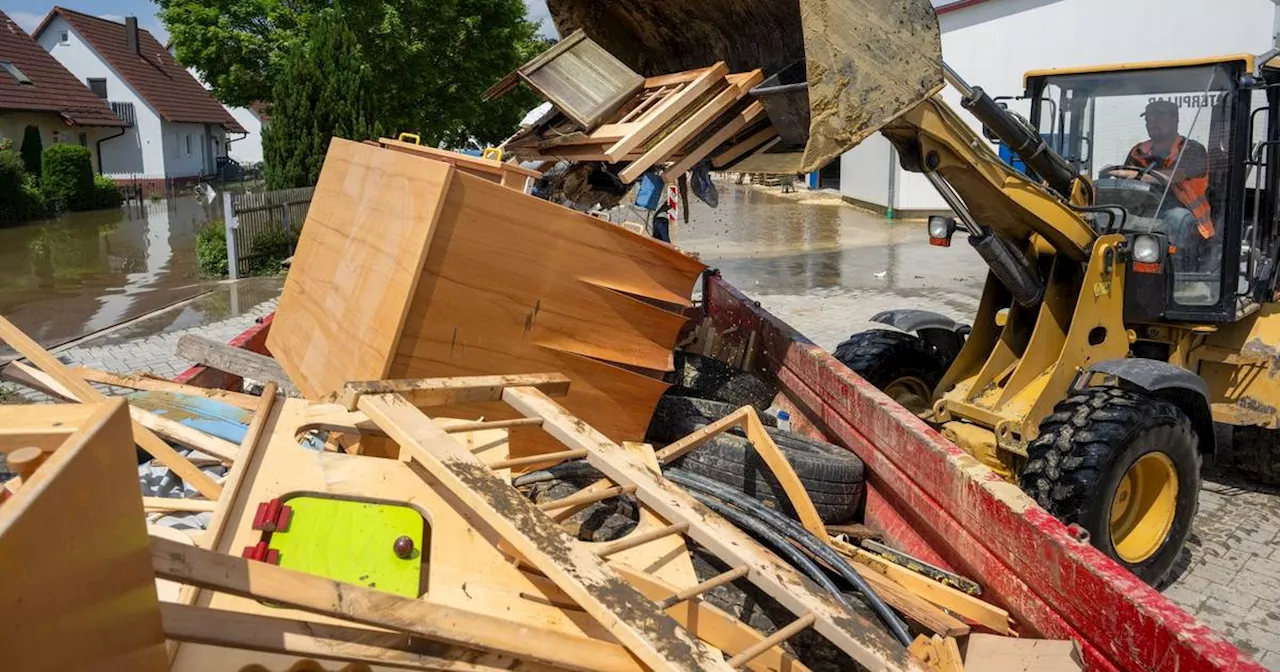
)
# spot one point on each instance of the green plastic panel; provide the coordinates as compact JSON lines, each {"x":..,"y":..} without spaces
{"x":352,"y":541}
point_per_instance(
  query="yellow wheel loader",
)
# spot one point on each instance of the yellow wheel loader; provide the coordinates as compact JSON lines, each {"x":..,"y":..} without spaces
{"x":1130,"y":300}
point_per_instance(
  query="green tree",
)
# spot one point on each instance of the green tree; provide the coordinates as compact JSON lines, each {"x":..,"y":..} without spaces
{"x":430,"y":59}
{"x":32,"y":148}
{"x":325,"y":90}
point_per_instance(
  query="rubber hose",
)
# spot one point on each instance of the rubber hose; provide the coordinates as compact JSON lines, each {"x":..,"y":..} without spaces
{"x":793,"y":530}
{"x":570,"y":469}
{"x":779,"y":543}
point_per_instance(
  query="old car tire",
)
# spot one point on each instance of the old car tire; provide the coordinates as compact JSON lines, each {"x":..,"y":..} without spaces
{"x":710,"y":378}
{"x":1107,"y":458}
{"x":901,"y":365}
{"x":677,"y":415}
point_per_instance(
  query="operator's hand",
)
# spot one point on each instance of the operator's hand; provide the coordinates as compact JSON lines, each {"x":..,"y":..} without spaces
{"x":1124,"y":174}
{"x":1149,"y":179}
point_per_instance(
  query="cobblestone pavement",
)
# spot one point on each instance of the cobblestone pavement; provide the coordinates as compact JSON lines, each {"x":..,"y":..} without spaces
{"x":826,"y":268}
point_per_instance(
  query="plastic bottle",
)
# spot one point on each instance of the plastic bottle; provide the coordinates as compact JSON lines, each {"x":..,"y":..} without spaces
{"x":784,"y":421}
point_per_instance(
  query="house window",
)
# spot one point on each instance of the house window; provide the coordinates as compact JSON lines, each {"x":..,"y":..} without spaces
{"x":17,"y":74}
{"x":98,"y":87}
{"x":84,"y":139}
{"x":64,"y":37}
{"x":188,"y":144}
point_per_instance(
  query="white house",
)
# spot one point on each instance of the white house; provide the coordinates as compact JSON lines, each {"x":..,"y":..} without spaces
{"x":177,"y":131}
{"x":247,"y":149}
{"x":992,"y":43}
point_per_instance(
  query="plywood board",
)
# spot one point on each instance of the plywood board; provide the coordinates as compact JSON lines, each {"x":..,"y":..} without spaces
{"x":78,"y":592}
{"x":356,"y":266}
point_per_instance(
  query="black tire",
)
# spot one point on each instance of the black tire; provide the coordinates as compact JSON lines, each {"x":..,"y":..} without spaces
{"x":676,"y":416}
{"x":884,"y":357}
{"x":1085,"y":448}
{"x":710,"y":378}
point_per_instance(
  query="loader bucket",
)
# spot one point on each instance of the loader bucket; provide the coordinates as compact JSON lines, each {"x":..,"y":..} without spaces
{"x":868,"y":61}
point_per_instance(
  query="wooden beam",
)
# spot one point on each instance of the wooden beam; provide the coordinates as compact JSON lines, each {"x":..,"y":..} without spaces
{"x":852,"y":633}
{"x":745,"y":119}
{"x":427,"y":392}
{"x":236,"y":361}
{"x":56,"y":379}
{"x":911,"y":606}
{"x":136,"y":381}
{"x":183,"y":435}
{"x":661,"y":151}
{"x":175,"y":504}
{"x":253,"y":632}
{"x":668,"y":111}
{"x":743,"y":146}
{"x":634,"y":620}
{"x":438,"y":622}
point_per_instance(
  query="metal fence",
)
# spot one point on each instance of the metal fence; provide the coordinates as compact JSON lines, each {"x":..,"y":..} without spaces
{"x":249,"y":216}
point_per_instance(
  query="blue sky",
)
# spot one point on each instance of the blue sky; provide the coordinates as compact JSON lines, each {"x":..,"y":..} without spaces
{"x":27,"y":13}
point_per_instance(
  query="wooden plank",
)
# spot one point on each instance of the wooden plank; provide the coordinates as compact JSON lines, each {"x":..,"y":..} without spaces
{"x":747,"y":118}
{"x":254,"y":632}
{"x":143,"y":382}
{"x":175,"y":504}
{"x":738,"y":149}
{"x":263,"y":581}
{"x":427,"y":392}
{"x":58,"y":381}
{"x":865,"y":641}
{"x":78,"y":592}
{"x":472,"y":164}
{"x":254,"y":442}
{"x":345,"y":265}
{"x":183,"y":435}
{"x":238,"y":361}
{"x":993,"y":653}
{"x":691,"y":127}
{"x":673,"y":78}
{"x":636,"y":622}
{"x":668,"y":111}
{"x":912,"y":607}
{"x":701,"y":435}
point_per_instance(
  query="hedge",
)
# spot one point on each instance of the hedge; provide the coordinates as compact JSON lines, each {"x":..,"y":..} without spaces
{"x":211,"y":249}
{"x":67,"y":178}
{"x":20,"y":199}
{"x":105,"y":193}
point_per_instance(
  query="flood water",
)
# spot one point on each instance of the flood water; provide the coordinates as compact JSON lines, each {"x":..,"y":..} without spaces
{"x":64,"y":278}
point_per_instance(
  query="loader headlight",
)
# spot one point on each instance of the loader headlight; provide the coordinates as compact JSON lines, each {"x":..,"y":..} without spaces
{"x":940,"y":230}
{"x":1146,"y":249}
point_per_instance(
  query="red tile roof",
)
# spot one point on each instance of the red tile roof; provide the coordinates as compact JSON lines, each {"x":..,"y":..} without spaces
{"x":153,"y":73}
{"x":52,"y":88}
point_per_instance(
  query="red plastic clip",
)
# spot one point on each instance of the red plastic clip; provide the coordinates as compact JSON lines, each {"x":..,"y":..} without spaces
{"x":272,"y":516}
{"x":258,"y":551}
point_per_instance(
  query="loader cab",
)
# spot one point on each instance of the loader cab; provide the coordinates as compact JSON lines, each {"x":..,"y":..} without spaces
{"x":1183,"y":158}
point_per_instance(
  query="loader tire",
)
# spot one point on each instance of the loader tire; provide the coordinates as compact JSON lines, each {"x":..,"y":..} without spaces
{"x":901,"y":365}
{"x":1125,"y":466}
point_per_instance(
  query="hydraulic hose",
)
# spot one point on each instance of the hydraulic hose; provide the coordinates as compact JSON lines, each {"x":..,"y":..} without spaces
{"x":796,"y":532}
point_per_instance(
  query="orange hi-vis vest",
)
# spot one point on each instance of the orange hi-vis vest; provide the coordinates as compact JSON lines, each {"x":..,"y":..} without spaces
{"x":1193,"y":192}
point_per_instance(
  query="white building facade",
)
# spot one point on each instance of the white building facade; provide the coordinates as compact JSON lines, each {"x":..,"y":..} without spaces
{"x":992,"y":43}
{"x":172,"y":139}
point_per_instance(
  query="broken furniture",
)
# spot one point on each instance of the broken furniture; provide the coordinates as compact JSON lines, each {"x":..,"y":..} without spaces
{"x":435,"y":272}
{"x":510,"y":175}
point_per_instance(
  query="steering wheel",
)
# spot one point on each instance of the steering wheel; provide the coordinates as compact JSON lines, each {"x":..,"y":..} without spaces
{"x":1159,"y":179}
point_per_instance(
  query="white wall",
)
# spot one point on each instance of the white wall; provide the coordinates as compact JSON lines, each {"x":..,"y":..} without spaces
{"x":994,"y":43}
{"x":188,"y":149}
{"x":249,"y":148}
{"x":139,"y":152}
{"x":865,"y":171}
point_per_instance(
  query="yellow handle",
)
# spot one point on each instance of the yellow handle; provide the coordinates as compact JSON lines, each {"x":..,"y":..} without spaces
{"x":405,"y":137}
{"x":494,"y":153}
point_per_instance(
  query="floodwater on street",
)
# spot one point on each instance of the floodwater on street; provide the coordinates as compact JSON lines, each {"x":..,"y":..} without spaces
{"x":63,"y":278}
{"x":826,"y":266}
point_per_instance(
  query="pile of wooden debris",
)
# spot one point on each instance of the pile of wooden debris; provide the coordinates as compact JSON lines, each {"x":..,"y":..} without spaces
{"x":454,"y":338}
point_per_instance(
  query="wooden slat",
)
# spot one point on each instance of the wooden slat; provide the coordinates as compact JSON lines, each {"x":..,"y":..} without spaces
{"x":175,"y":504}
{"x":237,"y":361}
{"x":699,"y":121}
{"x":706,"y":586}
{"x":492,"y":424}
{"x":783,"y":634}
{"x":580,"y":498}
{"x":185,"y":436}
{"x":138,"y":381}
{"x":748,"y":117}
{"x":57,"y":380}
{"x":345,"y":601}
{"x":668,"y":111}
{"x":427,"y":392}
{"x":640,"y":538}
{"x":254,"y":442}
{"x":254,"y":632}
{"x":635,"y":621}
{"x":541,"y":458}
{"x":738,"y":149}
{"x":865,"y":641}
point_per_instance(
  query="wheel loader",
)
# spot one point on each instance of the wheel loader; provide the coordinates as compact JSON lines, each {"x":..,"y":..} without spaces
{"x":1124,"y":313}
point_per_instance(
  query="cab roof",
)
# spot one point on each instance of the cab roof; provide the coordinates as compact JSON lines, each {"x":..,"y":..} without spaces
{"x":1248,"y":59}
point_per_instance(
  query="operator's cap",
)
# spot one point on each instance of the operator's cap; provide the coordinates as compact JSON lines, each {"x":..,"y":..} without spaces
{"x":1161,"y":107}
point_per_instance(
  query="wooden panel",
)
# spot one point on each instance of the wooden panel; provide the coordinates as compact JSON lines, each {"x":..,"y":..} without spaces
{"x":78,"y":592}
{"x":357,"y":265}
{"x":486,"y":306}
{"x":582,"y":80}
{"x":749,"y":116}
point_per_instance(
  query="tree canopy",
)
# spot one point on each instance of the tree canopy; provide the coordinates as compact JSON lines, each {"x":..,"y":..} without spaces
{"x":429,"y":60}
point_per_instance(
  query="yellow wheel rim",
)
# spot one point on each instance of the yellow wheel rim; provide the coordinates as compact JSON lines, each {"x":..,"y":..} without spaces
{"x":1143,"y":507}
{"x":912,"y":393}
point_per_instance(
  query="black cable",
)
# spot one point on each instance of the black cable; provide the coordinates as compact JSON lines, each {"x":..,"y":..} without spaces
{"x":793,"y":530}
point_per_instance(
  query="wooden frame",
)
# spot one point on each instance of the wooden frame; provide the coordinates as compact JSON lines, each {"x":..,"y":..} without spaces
{"x":510,"y":175}
{"x":748,"y":117}
{"x":642,"y":129}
